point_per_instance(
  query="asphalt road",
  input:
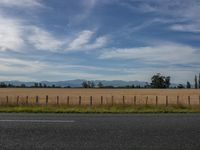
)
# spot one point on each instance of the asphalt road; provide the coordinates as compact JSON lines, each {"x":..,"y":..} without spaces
{"x":99,"y":131}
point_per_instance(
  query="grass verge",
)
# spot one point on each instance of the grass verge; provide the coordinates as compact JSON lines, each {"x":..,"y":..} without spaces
{"x":102,"y":109}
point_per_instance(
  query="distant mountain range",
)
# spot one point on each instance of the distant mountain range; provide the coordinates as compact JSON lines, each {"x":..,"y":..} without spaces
{"x":78,"y":83}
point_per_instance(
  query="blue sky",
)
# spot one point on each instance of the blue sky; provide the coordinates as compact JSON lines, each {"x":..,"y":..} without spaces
{"x":99,"y":39}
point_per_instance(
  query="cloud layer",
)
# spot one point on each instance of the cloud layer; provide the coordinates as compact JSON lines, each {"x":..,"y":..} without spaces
{"x":93,"y":39}
{"x":169,"y":53}
{"x":20,"y":3}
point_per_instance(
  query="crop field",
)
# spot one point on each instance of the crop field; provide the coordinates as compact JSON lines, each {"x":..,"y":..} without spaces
{"x":44,"y":96}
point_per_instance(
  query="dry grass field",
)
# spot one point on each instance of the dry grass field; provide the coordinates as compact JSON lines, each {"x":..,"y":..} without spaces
{"x":22,"y":96}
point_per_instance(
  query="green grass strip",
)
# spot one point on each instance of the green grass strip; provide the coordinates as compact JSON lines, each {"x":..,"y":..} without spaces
{"x":101,"y":109}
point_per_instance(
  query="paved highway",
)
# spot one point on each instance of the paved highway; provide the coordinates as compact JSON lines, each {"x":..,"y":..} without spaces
{"x":99,"y":131}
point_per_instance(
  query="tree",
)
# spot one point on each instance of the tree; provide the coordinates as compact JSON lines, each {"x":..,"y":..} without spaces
{"x":159,"y":81}
{"x":180,"y":86}
{"x":3,"y":85}
{"x":84,"y":84}
{"x":127,"y":86}
{"x":195,"y":82}
{"x":147,"y":85}
{"x":23,"y":85}
{"x":167,"y":81}
{"x":44,"y":85}
{"x":40,"y":85}
{"x":188,"y":85}
{"x":199,"y":80}
{"x":138,"y":86}
{"x":35,"y":84}
{"x":88,"y":84}
{"x":92,"y":85}
{"x":10,"y":85}
{"x":100,"y":85}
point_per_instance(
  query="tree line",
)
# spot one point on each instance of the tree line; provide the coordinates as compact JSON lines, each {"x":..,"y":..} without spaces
{"x":157,"y":81}
{"x":36,"y":85}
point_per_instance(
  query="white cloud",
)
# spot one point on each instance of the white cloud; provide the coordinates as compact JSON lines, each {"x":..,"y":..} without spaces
{"x":186,"y":28}
{"x":19,"y":35}
{"x":14,"y":65}
{"x":184,"y":11}
{"x":10,"y":34}
{"x":13,"y":68}
{"x":100,"y":42}
{"x":167,"y":53}
{"x":20,"y":3}
{"x":43,"y":40}
{"x":15,"y":35}
{"x":89,"y":4}
{"x":83,"y":38}
{"x":83,"y":14}
{"x":84,"y":42}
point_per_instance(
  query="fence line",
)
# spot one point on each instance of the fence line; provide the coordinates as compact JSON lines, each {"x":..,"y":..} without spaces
{"x":105,"y":100}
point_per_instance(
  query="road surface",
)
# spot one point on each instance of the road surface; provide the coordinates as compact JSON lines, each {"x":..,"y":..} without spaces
{"x":99,"y":131}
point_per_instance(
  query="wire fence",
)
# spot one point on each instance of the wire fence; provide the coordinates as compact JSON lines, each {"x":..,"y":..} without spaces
{"x":80,"y":100}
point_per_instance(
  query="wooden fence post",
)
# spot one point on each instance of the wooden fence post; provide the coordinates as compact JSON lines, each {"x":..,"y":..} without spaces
{"x":146,"y":100}
{"x":6,"y":99}
{"x":156,"y":100}
{"x":188,"y":100}
{"x":79,"y":100}
{"x":101,"y":100}
{"x":47,"y":99}
{"x":90,"y":100}
{"x":166,"y":100}
{"x":112,"y":100}
{"x":57,"y":100}
{"x":37,"y":99}
{"x":67,"y":100}
{"x":135,"y":98}
{"x":177,"y":100}
{"x":199,"y":100}
{"x":17,"y":100}
{"x":123,"y":100}
{"x":26,"y":100}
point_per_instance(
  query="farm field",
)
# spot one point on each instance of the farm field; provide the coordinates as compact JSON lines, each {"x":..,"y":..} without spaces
{"x":45,"y":96}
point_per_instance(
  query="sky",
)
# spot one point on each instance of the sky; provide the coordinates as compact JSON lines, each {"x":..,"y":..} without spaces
{"x":127,"y":40}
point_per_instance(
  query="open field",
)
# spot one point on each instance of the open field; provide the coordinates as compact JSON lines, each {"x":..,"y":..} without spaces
{"x":32,"y":96}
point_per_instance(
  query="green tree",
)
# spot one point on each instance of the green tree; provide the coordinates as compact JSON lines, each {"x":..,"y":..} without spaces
{"x":44,"y":85}
{"x":159,"y":81}
{"x":188,"y":85}
{"x":23,"y":85}
{"x":100,"y":85}
{"x":199,"y":80}
{"x":167,"y":81}
{"x":195,"y":82}
{"x":35,"y":84}
{"x":3,"y":85}
{"x":40,"y":85}
{"x":92,"y":85}
{"x":10,"y":85}
{"x":147,"y":85}
{"x":84,"y":84}
{"x":180,"y":86}
{"x":88,"y":84}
